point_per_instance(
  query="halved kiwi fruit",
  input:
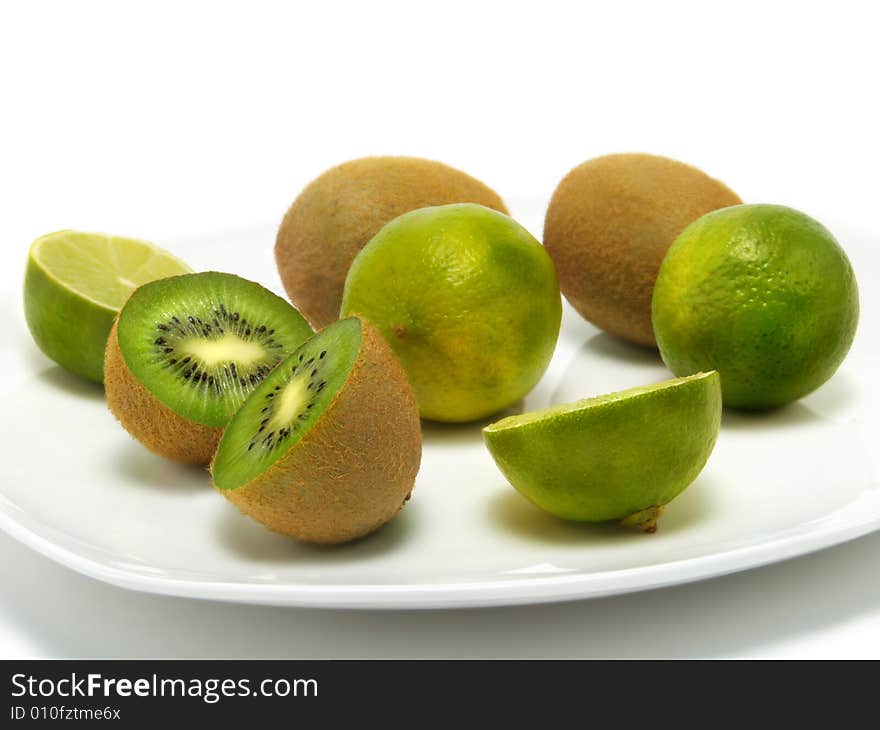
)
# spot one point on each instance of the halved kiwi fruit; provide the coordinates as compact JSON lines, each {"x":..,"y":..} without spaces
{"x":184,"y":354}
{"x":327,"y":448}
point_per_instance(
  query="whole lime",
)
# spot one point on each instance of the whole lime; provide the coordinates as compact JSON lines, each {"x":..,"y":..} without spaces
{"x":761,"y":293}
{"x":468,"y":301}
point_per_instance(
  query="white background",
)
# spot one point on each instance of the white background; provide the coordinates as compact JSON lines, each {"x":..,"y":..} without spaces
{"x":178,"y":119}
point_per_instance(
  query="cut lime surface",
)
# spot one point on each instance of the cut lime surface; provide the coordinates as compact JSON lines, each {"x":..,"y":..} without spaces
{"x":615,"y":457}
{"x":75,"y":284}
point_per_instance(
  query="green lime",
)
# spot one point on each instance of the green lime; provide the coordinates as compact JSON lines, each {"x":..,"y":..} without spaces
{"x":74,"y":285}
{"x":761,"y":293}
{"x":468,"y":301}
{"x":615,"y":457}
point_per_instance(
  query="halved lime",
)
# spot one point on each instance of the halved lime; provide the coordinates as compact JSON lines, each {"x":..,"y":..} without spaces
{"x":615,"y":457}
{"x":74,"y":285}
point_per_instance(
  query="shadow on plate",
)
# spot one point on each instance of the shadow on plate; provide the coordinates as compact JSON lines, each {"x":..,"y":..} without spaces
{"x":248,"y":539}
{"x":515,"y":514}
{"x":689,"y":508}
{"x":134,"y":465}
{"x":70,"y":384}
{"x":612,"y":348}
{"x":840,"y":394}
{"x":604,"y":364}
{"x":435,"y":432}
{"x":792,"y":414}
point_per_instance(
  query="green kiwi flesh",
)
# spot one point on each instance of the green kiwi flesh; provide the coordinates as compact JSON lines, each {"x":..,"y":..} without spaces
{"x":286,"y":405}
{"x":201,"y":343}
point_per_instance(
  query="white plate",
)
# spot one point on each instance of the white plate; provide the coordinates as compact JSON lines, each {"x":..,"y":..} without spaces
{"x":778,"y":485}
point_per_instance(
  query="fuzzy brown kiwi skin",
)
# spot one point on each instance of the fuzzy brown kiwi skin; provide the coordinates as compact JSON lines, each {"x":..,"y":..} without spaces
{"x":608,"y":227}
{"x":337,"y":213}
{"x":355,"y":469}
{"x":150,"y":421}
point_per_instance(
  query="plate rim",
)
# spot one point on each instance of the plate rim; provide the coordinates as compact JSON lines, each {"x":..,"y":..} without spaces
{"x":828,"y":532}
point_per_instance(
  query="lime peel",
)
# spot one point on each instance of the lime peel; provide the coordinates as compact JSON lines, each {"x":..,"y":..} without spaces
{"x":762,"y":293}
{"x":620,"y":456}
{"x":75,"y":284}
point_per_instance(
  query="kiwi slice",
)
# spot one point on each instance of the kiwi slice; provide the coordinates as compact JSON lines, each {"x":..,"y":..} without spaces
{"x":185,"y":353}
{"x":327,"y":447}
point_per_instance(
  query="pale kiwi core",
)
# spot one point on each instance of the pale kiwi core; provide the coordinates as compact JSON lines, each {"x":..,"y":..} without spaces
{"x":287,"y":405}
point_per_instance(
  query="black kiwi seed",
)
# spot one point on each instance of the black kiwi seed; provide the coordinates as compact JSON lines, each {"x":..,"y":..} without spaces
{"x":274,"y":438}
{"x":173,"y":334}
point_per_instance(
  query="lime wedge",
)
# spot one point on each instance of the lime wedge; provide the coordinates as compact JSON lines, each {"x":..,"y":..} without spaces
{"x":615,"y":457}
{"x":75,"y":283}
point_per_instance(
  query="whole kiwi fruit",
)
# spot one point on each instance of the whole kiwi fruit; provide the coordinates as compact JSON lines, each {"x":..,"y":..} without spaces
{"x":327,"y":448}
{"x":608,"y":227}
{"x":337,"y":213}
{"x":186,"y":351}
